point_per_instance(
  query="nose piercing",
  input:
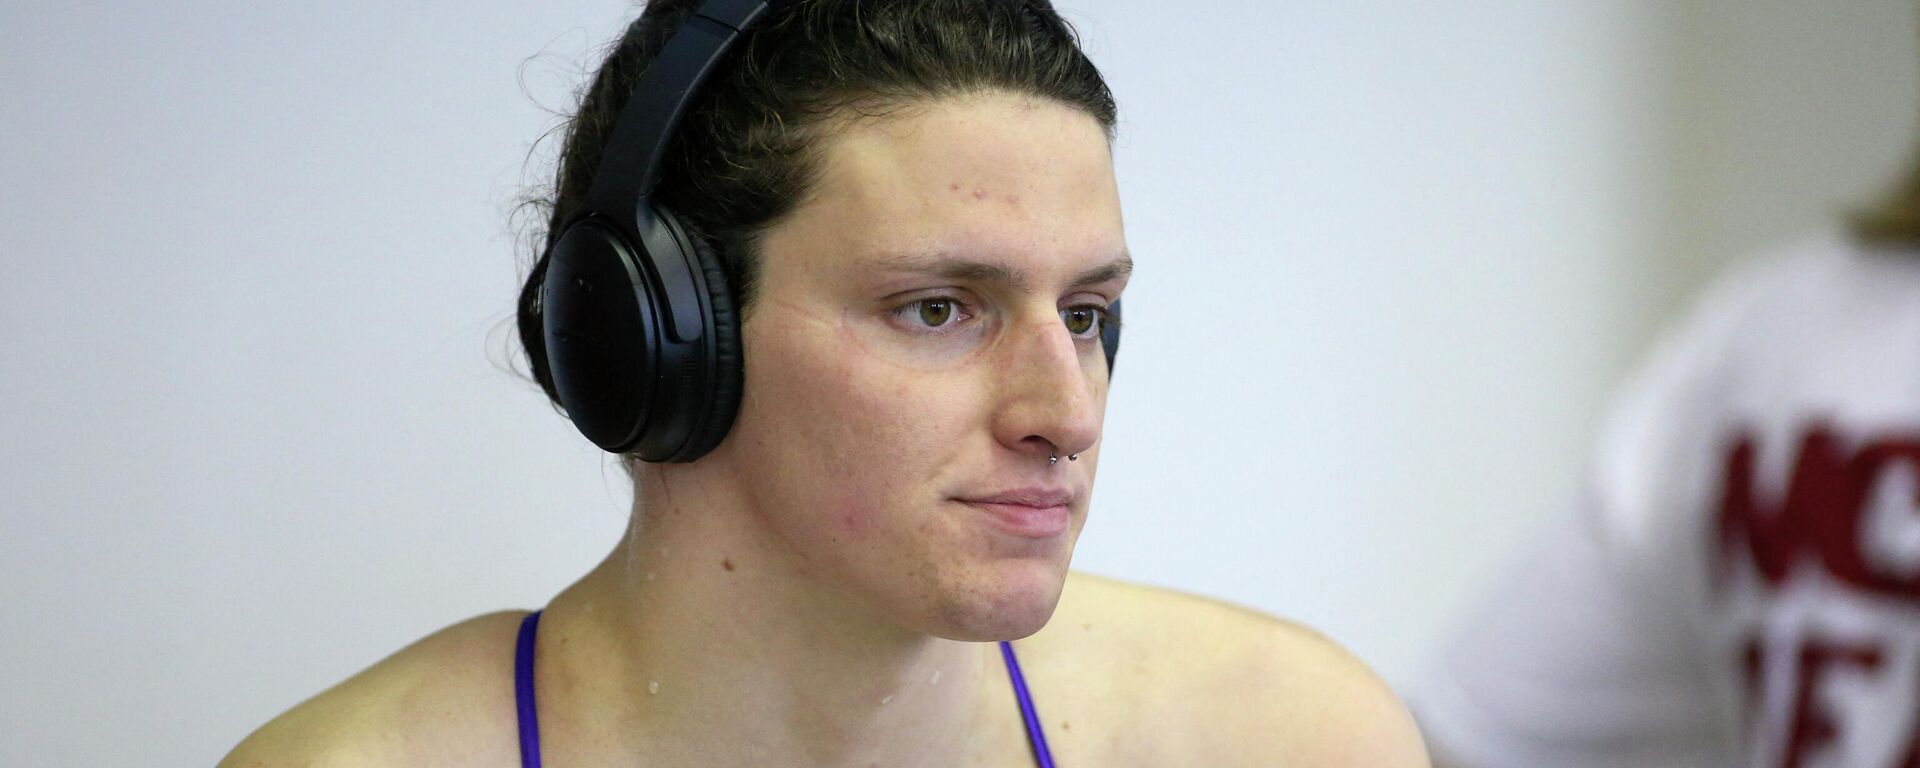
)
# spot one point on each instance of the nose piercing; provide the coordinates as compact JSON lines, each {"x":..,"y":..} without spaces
{"x":1054,"y":459}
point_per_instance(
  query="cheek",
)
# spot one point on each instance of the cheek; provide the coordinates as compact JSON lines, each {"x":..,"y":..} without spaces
{"x":855,"y":519}
{"x":849,"y":433}
{"x":869,"y":414}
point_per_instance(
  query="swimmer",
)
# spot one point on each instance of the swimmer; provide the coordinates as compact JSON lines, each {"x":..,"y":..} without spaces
{"x":896,"y":242}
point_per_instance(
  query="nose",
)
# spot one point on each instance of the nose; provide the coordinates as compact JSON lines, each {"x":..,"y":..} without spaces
{"x":1052,"y":390}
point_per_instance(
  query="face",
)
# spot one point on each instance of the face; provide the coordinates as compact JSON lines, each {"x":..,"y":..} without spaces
{"x":925,"y":335}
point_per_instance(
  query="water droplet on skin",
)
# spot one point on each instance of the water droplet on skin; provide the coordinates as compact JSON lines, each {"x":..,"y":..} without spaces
{"x":653,"y":686}
{"x":936,"y":677}
{"x":887,"y":699}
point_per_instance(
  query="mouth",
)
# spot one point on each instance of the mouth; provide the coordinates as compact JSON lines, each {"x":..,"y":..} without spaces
{"x":1026,"y":514}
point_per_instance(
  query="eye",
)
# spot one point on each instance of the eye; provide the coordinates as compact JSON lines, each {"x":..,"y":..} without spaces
{"x":934,"y":314}
{"x":1084,"y":320}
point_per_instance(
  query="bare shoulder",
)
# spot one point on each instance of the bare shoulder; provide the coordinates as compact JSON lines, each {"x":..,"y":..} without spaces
{"x":1163,"y":675}
{"x":444,"y":700}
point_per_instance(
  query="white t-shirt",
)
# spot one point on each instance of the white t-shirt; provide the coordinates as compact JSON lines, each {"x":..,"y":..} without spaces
{"x":1739,"y":584}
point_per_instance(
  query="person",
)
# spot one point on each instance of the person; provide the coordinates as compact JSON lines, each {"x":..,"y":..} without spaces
{"x":1740,"y":582}
{"x":914,"y":206}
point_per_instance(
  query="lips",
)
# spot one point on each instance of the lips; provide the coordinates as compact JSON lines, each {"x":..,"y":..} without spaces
{"x":1034,"y":513}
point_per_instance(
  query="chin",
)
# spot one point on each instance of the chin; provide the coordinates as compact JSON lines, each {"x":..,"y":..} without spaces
{"x":1014,"y":601}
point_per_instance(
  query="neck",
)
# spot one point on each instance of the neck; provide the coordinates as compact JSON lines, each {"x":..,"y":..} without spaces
{"x":698,"y":638}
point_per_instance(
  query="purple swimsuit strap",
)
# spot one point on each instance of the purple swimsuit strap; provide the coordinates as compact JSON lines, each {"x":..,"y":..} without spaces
{"x":523,"y":692}
{"x":530,"y":720}
{"x":1036,"y":738}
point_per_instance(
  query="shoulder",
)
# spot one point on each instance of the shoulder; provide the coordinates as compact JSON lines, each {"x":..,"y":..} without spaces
{"x":1728,"y":348}
{"x":446,"y":699}
{"x":1196,"y":678}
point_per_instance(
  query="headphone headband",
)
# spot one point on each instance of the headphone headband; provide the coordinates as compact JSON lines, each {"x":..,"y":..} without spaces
{"x":630,"y":161}
{"x":642,"y":340}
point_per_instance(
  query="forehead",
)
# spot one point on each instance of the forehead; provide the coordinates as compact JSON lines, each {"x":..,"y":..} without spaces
{"x":995,"y":175}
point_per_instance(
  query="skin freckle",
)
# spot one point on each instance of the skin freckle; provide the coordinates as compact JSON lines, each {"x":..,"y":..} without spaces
{"x":726,"y":563}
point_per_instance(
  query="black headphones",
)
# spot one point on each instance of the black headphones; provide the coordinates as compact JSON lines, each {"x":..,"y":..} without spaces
{"x":642,"y":341}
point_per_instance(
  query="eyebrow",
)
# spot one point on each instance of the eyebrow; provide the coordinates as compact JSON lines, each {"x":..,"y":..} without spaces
{"x":964,"y":269}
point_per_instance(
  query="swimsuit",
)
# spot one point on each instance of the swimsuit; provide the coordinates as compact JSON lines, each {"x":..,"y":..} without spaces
{"x":530,"y":724}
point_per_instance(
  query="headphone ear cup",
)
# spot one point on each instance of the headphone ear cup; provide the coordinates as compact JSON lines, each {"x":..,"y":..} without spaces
{"x":1110,"y":338}
{"x":601,"y":335}
{"x":723,"y":397}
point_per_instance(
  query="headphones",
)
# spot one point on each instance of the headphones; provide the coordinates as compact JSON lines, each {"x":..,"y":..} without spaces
{"x":642,"y":340}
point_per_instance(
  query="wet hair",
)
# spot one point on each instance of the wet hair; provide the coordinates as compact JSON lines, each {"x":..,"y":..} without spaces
{"x":749,"y":149}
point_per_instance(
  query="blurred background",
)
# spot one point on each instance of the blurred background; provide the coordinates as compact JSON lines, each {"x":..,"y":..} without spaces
{"x":260,"y":429}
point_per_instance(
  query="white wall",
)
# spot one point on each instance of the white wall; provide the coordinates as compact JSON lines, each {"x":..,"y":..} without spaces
{"x":258,"y":280}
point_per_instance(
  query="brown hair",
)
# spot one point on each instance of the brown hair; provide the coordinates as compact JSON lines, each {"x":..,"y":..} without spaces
{"x":1894,"y":220}
{"x":746,"y":153}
